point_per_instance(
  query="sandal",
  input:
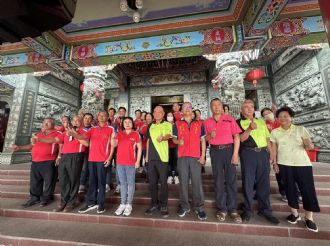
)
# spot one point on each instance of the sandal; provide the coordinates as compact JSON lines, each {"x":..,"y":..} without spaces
{"x":221,"y":216}
{"x":236,"y":217}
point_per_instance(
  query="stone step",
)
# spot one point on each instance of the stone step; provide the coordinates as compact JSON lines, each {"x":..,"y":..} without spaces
{"x":322,"y":188}
{"x":47,"y":233}
{"x":257,"y":226}
{"x":321,"y":171}
{"x":142,"y":197}
{"x":26,"y":241}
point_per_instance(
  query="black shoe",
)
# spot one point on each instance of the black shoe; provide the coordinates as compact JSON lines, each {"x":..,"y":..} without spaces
{"x":270,"y":218}
{"x":246,"y":217}
{"x":151,"y":210}
{"x":293,"y":219}
{"x":30,"y":203}
{"x":201,"y":215}
{"x":87,"y":208}
{"x":43,"y":204}
{"x":182,"y":212}
{"x":164,"y":212}
{"x":311,"y":226}
{"x":100,"y":210}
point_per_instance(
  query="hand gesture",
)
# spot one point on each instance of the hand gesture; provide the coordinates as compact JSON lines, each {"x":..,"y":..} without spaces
{"x":137,"y":164}
{"x":234,"y":159}
{"x":15,"y":148}
{"x":213,"y":134}
{"x":160,"y":138}
{"x":34,"y":139}
{"x":181,"y":142}
{"x":202,"y":160}
{"x":253,"y":125}
{"x":71,"y":132}
{"x":276,"y":168}
{"x":57,"y":162}
{"x":107,"y":163}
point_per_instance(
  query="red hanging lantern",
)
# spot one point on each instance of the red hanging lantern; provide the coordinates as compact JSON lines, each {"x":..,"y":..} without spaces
{"x":254,"y":75}
{"x":82,"y":87}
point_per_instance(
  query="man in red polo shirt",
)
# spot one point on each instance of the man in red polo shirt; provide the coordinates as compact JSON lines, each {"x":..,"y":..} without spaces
{"x":176,"y":111}
{"x":100,"y":139}
{"x":72,"y":159}
{"x":222,"y":133}
{"x":189,"y":134}
{"x":43,"y":164}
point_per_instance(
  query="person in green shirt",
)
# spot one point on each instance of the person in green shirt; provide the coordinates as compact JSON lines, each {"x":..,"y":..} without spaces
{"x":289,"y":143}
{"x":157,"y":157}
{"x":255,"y":156}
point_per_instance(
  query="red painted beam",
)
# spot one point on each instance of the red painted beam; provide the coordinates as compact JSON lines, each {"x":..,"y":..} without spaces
{"x":325,"y":11}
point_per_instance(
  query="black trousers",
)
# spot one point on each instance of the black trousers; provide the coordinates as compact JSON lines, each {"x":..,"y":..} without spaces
{"x":84,"y":172}
{"x":42,"y":181}
{"x":224,"y":172}
{"x":173,"y":162}
{"x":69,"y":174}
{"x":303,"y":178}
{"x":157,"y":172}
{"x":97,"y":182}
{"x":255,"y":167}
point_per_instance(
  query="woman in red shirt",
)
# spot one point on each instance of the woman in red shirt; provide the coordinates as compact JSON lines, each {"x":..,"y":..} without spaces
{"x":143,"y":132}
{"x":128,"y":159}
{"x":173,"y":176}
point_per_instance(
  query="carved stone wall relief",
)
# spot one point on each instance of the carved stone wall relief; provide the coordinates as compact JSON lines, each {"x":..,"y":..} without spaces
{"x":305,"y":96}
{"x":307,"y":69}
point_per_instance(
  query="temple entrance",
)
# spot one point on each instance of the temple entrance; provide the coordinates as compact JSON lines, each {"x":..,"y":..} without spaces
{"x":166,"y":102}
{"x":4,"y":115}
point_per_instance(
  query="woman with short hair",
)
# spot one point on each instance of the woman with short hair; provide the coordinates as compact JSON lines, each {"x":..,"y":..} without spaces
{"x":289,"y":142}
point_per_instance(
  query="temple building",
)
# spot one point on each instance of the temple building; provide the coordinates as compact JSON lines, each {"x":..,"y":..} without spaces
{"x":167,"y":52}
{"x":68,"y":57}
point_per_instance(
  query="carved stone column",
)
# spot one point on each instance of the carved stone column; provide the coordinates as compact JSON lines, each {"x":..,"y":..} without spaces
{"x":93,"y":90}
{"x":230,"y":81}
{"x":18,"y":82}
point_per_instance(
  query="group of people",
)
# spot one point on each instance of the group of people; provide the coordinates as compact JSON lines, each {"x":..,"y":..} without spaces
{"x":173,"y":148}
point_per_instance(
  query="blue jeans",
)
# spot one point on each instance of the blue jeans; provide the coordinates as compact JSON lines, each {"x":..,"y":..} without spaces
{"x":126,"y":176}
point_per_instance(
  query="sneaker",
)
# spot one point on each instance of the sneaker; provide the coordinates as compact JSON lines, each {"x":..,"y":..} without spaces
{"x":128,"y":210}
{"x":300,"y":201}
{"x":176,"y":180}
{"x":182,"y":212}
{"x":120,"y":209}
{"x":151,"y":210}
{"x":100,"y":210}
{"x":170,"y":180}
{"x":201,"y":215}
{"x":270,"y":218}
{"x":164,"y":212}
{"x":283,"y":198}
{"x":82,"y":189}
{"x":107,"y":188}
{"x":117,"y":190}
{"x":87,"y":208}
{"x":311,"y":226}
{"x":293,"y":219}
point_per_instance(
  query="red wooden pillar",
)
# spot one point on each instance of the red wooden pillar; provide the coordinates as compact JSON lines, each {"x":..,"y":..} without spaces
{"x":325,"y":11}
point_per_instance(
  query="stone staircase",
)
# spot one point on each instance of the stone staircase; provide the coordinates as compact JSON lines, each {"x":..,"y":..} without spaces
{"x":14,"y":187}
